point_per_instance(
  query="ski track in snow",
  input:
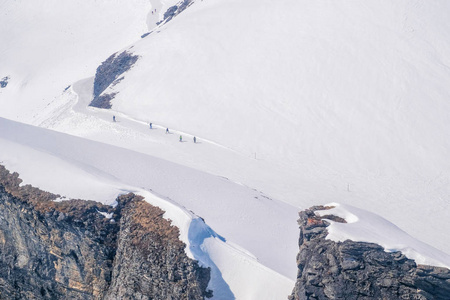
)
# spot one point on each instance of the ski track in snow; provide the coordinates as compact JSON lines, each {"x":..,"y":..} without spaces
{"x":83,"y":91}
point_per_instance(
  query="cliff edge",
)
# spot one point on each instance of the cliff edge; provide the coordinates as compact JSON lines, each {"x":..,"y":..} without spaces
{"x":79,"y":249}
{"x":358,"y":270}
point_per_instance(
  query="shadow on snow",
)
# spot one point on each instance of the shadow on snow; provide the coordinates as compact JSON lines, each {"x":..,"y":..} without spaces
{"x":198,"y":233}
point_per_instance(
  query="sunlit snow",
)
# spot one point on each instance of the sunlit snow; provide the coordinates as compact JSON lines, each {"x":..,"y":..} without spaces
{"x":292,"y":104}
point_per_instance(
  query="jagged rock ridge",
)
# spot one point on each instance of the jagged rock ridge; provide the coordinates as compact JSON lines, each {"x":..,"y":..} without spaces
{"x":68,"y":250}
{"x":359,"y":270}
{"x":108,"y":73}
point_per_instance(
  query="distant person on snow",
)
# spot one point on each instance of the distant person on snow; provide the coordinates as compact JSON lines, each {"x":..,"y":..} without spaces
{"x":195,"y":140}
{"x":181,"y":138}
{"x":114,"y":118}
{"x":167,"y":130}
{"x":150,"y":125}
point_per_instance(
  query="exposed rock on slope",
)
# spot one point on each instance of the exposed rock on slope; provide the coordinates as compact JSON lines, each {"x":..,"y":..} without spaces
{"x":172,"y":12}
{"x":175,"y":10}
{"x":150,"y":262}
{"x":4,"y":82}
{"x":358,"y":270}
{"x":108,"y":73}
{"x":68,"y":250}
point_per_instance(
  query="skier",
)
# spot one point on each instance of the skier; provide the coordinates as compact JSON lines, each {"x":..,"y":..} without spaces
{"x":195,"y":140}
{"x":150,"y":125}
{"x":114,"y":118}
{"x":167,"y":130}
{"x":181,"y":138}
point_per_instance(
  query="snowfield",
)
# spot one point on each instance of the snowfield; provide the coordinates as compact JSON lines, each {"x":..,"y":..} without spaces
{"x":255,"y":236}
{"x":293,"y":104}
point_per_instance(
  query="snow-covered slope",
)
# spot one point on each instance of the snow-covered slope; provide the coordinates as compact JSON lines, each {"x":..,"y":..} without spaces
{"x":337,"y":101}
{"x":47,"y":45}
{"x":252,"y":255}
{"x":306,"y":101}
{"x":258,"y":237}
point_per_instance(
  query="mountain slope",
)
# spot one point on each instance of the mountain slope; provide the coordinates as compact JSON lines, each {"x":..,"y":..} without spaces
{"x":250,"y":222}
{"x":292,"y":104}
{"x":332,"y":111}
{"x":47,"y":45}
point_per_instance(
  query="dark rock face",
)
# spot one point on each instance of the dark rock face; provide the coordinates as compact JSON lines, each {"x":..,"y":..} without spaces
{"x":103,"y":101}
{"x":51,"y":250}
{"x":151,"y":262}
{"x":108,"y":73}
{"x":358,"y":270}
{"x":145,"y":34}
{"x":175,"y":10}
{"x":68,"y":250}
{"x":4,"y":82}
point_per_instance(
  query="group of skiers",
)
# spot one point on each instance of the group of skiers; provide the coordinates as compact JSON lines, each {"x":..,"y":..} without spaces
{"x":167,"y":130}
{"x":181,"y":137}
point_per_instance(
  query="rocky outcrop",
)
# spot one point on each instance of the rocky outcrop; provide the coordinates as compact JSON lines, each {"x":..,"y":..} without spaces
{"x":4,"y":82}
{"x":175,"y":10}
{"x":69,"y":250}
{"x":170,"y":13}
{"x":52,"y":250}
{"x":150,"y":262}
{"x":108,"y":73}
{"x":359,"y":270}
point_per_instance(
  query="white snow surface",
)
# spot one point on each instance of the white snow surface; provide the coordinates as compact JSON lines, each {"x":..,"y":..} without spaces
{"x":293,"y":104}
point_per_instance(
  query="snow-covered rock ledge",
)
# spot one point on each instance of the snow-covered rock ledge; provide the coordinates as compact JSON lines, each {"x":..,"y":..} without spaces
{"x":347,"y":269}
